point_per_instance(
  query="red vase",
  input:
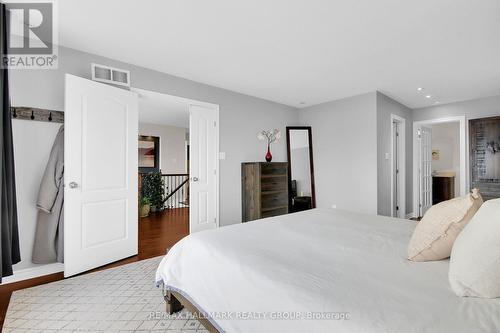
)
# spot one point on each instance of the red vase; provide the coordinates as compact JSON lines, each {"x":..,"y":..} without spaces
{"x":269,"y":157}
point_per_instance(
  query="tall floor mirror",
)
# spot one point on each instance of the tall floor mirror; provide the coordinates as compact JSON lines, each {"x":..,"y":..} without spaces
{"x":300,"y":168}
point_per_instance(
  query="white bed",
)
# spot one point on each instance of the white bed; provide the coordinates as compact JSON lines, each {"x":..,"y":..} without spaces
{"x":320,"y":261}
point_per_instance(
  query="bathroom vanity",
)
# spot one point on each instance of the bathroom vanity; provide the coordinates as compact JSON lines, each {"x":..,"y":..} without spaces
{"x":443,"y":187}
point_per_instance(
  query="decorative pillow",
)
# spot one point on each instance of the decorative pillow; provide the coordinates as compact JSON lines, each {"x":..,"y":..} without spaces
{"x":434,"y":236}
{"x":475,"y":258}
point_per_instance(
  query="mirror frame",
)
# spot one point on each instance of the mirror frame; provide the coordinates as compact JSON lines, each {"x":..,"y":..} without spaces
{"x":311,"y":164}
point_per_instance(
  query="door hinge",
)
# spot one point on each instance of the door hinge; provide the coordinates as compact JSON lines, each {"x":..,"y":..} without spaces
{"x":397,"y":207}
{"x":215,"y":123}
{"x":397,"y":170}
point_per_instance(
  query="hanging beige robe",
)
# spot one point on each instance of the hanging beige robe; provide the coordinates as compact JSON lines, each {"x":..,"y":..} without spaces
{"x":49,"y":235}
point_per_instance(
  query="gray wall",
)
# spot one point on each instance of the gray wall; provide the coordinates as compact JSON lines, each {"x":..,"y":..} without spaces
{"x":241,"y":116}
{"x":476,"y":108}
{"x":173,"y":157}
{"x":385,"y":107}
{"x":344,"y":137}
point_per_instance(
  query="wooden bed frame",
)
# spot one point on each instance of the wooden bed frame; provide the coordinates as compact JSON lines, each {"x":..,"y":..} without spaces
{"x":176,"y":302}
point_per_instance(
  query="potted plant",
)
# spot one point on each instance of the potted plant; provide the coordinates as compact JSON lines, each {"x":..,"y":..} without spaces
{"x":153,"y":187}
{"x":145,"y":206}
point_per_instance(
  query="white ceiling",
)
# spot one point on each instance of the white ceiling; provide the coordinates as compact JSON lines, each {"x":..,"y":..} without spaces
{"x":160,"y":109}
{"x":290,"y":51}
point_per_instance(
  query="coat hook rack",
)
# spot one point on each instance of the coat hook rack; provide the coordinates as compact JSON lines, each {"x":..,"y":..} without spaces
{"x":27,"y":113}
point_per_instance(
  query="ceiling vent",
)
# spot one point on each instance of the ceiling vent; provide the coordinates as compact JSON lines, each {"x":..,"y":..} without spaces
{"x":110,"y":75}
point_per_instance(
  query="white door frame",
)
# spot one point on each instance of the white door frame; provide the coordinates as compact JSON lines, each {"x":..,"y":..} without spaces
{"x":402,"y":165}
{"x":464,"y":154}
{"x":217,"y":151}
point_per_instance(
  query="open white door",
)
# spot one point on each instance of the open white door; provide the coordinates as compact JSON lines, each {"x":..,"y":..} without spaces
{"x":395,"y":171}
{"x":203,"y":136}
{"x":398,"y":167}
{"x":425,"y":169}
{"x":100,"y":194}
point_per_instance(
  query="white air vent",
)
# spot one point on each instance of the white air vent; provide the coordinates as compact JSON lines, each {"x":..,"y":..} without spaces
{"x":110,"y":75}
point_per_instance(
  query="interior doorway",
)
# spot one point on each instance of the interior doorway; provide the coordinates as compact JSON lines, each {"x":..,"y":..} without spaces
{"x":439,"y":162}
{"x":178,"y":162}
{"x":398,"y":166}
{"x":163,"y":175}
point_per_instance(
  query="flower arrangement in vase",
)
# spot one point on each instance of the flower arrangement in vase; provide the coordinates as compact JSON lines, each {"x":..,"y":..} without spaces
{"x":270,"y":137}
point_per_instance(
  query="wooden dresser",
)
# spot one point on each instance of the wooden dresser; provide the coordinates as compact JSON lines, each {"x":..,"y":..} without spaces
{"x":264,"y":189}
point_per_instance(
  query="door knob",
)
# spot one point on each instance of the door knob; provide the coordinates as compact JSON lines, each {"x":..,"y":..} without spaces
{"x":73,"y":185}
{"x":195,"y":179}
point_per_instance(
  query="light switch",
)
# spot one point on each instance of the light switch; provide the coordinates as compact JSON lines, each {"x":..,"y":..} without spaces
{"x":387,"y":156}
{"x":222,"y":155}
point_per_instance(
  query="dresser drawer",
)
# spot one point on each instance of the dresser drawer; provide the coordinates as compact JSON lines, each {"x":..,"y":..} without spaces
{"x":274,"y":200}
{"x":274,"y":169}
{"x":273,"y":184}
{"x":275,"y":212}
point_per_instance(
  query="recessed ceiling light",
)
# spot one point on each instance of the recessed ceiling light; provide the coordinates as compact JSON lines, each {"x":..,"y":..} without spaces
{"x":428,"y":96}
{"x":437,"y":102}
{"x":420,"y":89}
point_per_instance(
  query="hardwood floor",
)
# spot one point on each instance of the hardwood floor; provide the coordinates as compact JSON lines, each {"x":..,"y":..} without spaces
{"x":157,"y":233}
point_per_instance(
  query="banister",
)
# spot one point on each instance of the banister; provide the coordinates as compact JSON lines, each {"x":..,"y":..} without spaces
{"x":179,"y":195}
{"x":176,"y":189}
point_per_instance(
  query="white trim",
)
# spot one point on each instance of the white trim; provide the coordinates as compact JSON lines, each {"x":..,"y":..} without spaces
{"x":402,"y":164}
{"x":464,"y":154}
{"x":180,"y":99}
{"x":217,"y":154}
{"x":186,"y":165}
{"x":410,"y":215}
{"x":217,"y":148}
{"x":33,"y":272}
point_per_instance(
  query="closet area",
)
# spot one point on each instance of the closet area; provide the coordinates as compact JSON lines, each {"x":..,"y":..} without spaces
{"x":100,"y":167}
{"x":38,"y":149}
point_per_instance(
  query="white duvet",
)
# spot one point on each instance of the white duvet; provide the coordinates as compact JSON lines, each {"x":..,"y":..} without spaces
{"x":345,"y":268}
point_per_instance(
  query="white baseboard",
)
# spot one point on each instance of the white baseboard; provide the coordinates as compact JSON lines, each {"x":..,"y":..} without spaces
{"x":410,"y":216}
{"x":33,"y":272}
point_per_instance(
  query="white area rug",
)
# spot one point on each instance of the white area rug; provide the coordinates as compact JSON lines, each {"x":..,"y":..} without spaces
{"x":121,"y":299}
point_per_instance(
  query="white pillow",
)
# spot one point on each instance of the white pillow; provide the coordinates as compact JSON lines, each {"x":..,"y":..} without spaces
{"x":475,"y":257}
{"x":434,"y":236}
